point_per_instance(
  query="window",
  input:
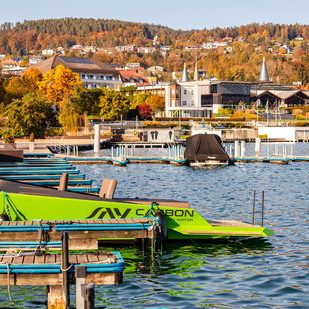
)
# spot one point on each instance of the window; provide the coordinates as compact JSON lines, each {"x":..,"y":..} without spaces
{"x":184,"y":102}
{"x":185,"y":92}
{"x":213,"y":89}
{"x":83,"y":76}
{"x":192,"y":91}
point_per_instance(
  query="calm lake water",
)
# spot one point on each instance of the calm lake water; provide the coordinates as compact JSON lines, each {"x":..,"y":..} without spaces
{"x":249,"y":273}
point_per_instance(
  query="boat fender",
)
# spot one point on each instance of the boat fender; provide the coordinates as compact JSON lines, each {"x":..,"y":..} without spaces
{"x":160,"y":216}
{"x":4,"y":217}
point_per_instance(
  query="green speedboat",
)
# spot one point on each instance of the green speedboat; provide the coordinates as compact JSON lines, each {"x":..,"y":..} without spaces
{"x":23,"y":202}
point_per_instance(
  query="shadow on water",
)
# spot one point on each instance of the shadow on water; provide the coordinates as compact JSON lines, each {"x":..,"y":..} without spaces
{"x":195,"y":253}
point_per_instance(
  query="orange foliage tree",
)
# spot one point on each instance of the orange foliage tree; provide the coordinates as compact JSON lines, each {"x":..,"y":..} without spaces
{"x":59,"y":83}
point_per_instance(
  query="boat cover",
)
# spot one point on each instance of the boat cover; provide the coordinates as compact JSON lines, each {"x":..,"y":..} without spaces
{"x":201,"y":147}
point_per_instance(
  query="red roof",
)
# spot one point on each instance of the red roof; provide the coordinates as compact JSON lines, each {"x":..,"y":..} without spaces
{"x":130,"y":76}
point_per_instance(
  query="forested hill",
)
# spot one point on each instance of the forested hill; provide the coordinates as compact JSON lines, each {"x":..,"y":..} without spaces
{"x":36,"y":35}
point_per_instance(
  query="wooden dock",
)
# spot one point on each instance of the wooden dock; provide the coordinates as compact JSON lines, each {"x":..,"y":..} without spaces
{"x":84,"y":234}
{"x":58,"y":271}
{"x":44,"y":269}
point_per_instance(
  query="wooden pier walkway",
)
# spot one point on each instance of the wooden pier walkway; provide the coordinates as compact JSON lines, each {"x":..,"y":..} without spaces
{"x":84,"y":234}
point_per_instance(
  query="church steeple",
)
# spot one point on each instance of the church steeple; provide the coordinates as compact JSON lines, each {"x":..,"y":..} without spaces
{"x":264,"y":77}
{"x":185,"y":76}
{"x":196,"y":74}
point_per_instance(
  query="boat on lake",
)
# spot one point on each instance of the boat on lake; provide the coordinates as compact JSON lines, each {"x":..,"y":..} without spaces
{"x":25,"y":202}
{"x":205,"y":150}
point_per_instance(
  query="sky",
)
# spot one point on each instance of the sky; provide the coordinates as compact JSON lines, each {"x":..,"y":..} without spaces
{"x":176,"y":14}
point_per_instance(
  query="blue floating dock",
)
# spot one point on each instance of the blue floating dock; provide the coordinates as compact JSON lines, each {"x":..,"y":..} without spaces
{"x":42,"y":264}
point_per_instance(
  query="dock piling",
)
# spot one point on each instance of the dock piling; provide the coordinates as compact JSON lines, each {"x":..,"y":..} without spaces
{"x":88,"y":295}
{"x":258,"y":147}
{"x":236,"y":150}
{"x":96,"y":146}
{"x":243,"y":149}
{"x":262,"y":219}
{"x":253,"y":207}
{"x":65,"y":268}
{"x":80,"y":278}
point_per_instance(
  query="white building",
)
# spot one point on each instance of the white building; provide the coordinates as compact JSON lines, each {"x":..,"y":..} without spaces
{"x":203,"y":98}
{"x":35,"y":59}
{"x":48,"y":52}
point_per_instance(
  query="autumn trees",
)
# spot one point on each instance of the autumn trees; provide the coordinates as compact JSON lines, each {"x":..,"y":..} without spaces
{"x":35,"y":102}
{"x":32,"y":113}
{"x":59,"y":83}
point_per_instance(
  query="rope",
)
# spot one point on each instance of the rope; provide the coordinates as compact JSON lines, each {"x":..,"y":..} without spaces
{"x":156,"y":223}
{"x":8,"y":278}
{"x":62,"y":269}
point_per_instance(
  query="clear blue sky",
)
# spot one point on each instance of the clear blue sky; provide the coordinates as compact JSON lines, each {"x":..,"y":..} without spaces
{"x":176,"y":14}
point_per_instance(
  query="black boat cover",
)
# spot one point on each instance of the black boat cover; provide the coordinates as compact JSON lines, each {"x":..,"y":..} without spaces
{"x":201,"y":147}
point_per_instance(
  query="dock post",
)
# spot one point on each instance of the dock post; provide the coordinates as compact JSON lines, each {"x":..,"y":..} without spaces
{"x":74,"y":151}
{"x":267,"y":155}
{"x":96,"y":145}
{"x":65,"y":268}
{"x":112,"y":150}
{"x":88,"y":295}
{"x":80,"y":277}
{"x":258,"y":147}
{"x":253,"y":207}
{"x":77,"y":150}
{"x":55,"y":297}
{"x":236,"y":149}
{"x":262,"y":219}
{"x":243,"y":149}
{"x":68,"y":150}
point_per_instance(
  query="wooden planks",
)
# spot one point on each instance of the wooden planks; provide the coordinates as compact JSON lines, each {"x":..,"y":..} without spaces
{"x":83,"y":238}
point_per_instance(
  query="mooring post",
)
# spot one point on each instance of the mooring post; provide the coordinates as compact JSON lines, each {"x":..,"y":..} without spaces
{"x":80,"y":277}
{"x":236,"y":149}
{"x":262,"y":219}
{"x":96,"y":146}
{"x":243,"y":149}
{"x":258,"y":147}
{"x":65,"y":268}
{"x":266,"y":152}
{"x":88,"y":295}
{"x":112,"y":149}
{"x":253,"y":207}
{"x":68,"y":150}
{"x":77,"y":150}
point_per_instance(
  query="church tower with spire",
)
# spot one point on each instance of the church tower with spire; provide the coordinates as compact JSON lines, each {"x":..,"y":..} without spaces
{"x":264,"y":77}
{"x":185,"y":76}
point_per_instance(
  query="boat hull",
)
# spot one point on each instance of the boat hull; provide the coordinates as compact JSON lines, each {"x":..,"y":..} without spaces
{"x":182,"y":223}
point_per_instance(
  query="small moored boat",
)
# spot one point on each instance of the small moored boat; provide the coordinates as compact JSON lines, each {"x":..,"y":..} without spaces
{"x":205,"y":150}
